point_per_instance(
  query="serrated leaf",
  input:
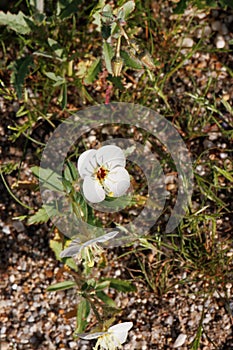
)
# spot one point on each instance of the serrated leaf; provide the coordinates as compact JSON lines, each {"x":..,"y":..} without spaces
{"x":121,"y":285}
{"x":126,"y":10}
{"x":106,"y":299}
{"x":130,"y":61}
{"x":39,"y":217}
{"x":108,"y":55}
{"x":93,"y":71}
{"x":20,"y":71}
{"x":82,"y":315}
{"x":61,"y":286}
{"x":15,"y":22}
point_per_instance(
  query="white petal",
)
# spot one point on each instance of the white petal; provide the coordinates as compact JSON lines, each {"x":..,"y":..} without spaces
{"x":120,"y":332}
{"x":92,"y":190}
{"x":101,"y":239}
{"x":89,"y":336}
{"x":87,"y":163}
{"x":111,"y":157}
{"x":117,"y":181}
{"x":72,"y":250}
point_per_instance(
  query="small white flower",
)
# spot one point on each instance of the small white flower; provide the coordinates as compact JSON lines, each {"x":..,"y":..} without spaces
{"x":89,"y":249}
{"x":112,"y":339}
{"x":103,"y":173}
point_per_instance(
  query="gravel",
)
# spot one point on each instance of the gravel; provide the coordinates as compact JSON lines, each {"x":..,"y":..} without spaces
{"x":32,"y":318}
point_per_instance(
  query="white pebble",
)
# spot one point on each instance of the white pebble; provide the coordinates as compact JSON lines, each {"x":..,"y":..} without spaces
{"x":220,"y":42}
{"x":187,"y":42}
{"x":169,"y":320}
{"x":31,"y":319}
{"x":223,"y":155}
{"x":3,"y":330}
{"x":12,"y":278}
{"x":6,"y":230}
{"x":72,"y":344}
{"x":180,"y":340}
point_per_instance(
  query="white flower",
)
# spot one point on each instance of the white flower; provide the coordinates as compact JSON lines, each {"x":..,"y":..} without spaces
{"x":89,"y":249}
{"x":103,"y":173}
{"x":112,"y":339}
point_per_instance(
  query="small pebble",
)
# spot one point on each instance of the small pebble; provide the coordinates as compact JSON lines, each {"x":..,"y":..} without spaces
{"x":12,"y":278}
{"x":180,"y":340}
{"x":216,"y":26}
{"x":6,"y":230}
{"x":223,"y":155}
{"x":220,"y":42}
{"x":187,"y":42}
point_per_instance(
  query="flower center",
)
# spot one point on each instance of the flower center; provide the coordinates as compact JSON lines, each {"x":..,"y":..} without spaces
{"x":101,"y":173}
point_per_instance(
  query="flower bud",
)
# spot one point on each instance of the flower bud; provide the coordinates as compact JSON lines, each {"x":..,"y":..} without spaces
{"x":146,"y":60}
{"x":117,"y":64}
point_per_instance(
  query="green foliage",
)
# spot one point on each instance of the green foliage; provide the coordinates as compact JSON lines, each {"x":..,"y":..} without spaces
{"x":108,"y":55}
{"x":93,"y":71}
{"x":83,"y":312}
{"x":16,"y":22}
{"x":121,"y":285}
{"x":20,"y":70}
{"x":61,"y":286}
{"x":41,"y":216}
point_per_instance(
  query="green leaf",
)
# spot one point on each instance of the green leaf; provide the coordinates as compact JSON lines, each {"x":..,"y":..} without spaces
{"x":57,"y":78}
{"x":39,"y":217}
{"x":105,"y":31}
{"x":83,"y":312}
{"x":61,"y":286}
{"x":106,"y":299}
{"x":130,"y":61}
{"x":93,"y":71}
{"x":226,"y":3}
{"x":70,"y":8}
{"x":225,"y":173}
{"x":20,"y":71}
{"x":126,"y":10}
{"x":56,"y":47}
{"x":15,"y":22}
{"x":57,"y":247}
{"x":180,"y":7}
{"x":70,"y":172}
{"x":64,"y":96}
{"x":48,"y":178}
{"x":108,"y":55}
{"x":121,"y":285}
{"x":102,"y":285}
{"x":116,"y":82}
